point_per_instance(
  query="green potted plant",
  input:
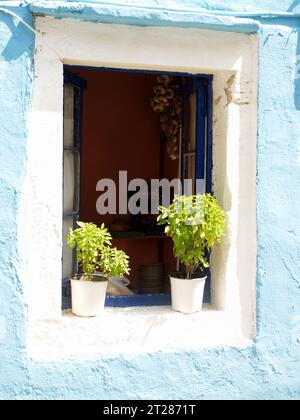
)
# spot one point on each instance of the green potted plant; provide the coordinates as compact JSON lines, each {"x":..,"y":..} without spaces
{"x":98,"y":261}
{"x":195,"y":224}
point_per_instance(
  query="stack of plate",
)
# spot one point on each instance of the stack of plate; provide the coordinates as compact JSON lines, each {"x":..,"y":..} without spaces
{"x":151,"y":278}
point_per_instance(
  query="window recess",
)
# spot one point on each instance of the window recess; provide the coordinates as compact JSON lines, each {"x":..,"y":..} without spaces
{"x":105,"y":135}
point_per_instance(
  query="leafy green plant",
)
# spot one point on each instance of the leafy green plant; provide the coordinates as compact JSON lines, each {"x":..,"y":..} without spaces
{"x":94,"y":251}
{"x":114,"y":262}
{"x":195,"y":224}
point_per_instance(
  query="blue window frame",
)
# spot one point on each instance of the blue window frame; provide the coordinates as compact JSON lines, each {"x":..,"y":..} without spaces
{"x":73,"y":101}
{"x":196,"y":147}
{"x":196,"y":160}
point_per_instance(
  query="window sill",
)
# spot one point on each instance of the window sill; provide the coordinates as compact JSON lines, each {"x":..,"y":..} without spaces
{"x":133,"y":331}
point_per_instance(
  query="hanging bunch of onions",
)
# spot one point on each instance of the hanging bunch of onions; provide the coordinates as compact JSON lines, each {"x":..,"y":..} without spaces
{"x":166,"y":101}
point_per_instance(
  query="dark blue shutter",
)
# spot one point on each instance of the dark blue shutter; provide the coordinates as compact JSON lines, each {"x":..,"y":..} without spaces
{"x":72,"y":148}
{"x":200,"y":89}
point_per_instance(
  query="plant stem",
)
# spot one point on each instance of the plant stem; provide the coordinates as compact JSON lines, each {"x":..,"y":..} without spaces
{"x":189,"y":272}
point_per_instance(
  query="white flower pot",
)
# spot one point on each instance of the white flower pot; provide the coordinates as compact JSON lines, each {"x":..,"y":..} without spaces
{"x":88,"y":297}
{"x":187,"y":295}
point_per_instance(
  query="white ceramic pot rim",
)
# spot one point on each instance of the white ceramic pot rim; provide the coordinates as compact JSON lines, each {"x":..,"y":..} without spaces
{"x":95,"y":279}
{"x":175,"y":276}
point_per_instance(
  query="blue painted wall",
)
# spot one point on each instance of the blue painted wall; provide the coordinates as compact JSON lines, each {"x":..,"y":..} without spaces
{"x":16,"y":66}
{"x":271,"y":367}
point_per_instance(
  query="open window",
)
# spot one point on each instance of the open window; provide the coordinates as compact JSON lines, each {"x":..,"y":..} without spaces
{"x":73,"y":94}
{"x":110,"y":127}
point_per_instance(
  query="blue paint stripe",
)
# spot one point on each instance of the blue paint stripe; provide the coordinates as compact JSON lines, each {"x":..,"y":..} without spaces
{"x":208,"y":169}
{"x":209,"y":135}
{"x":140,"y":71}
{"x":74,"y":80}
{"x":128,"y":301}
{"x":201,"y":129}
{"x":138,"y":300}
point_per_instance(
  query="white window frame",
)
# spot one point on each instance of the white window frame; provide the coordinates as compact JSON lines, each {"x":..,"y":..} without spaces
{"x":232,"y":59}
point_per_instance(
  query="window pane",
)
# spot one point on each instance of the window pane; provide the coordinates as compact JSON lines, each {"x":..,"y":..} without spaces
{"x":189,"y":173}
{"x":68,"y":268}
{"x":189,"y":142}
{"x":68,"y":115}
{"x":69,"y":181}
{"x":69,"y":167}
{"x":190,"y":123}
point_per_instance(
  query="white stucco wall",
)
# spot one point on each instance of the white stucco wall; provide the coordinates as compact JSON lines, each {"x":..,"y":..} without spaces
{"x":233,"y":60}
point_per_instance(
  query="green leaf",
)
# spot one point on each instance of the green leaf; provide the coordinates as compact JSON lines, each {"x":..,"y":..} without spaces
{"x":196,"y":224}
{"x":94,"y":252}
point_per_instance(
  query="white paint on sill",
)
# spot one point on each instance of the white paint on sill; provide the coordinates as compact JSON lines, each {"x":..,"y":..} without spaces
{"x":132,"y":331}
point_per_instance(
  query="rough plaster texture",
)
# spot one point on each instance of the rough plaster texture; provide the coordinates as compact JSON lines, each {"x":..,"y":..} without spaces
{"x":270,"y":368}
{"x":124,"y":14}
